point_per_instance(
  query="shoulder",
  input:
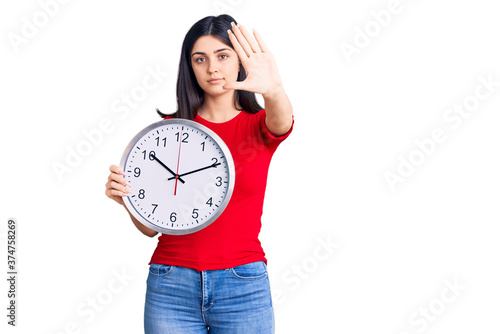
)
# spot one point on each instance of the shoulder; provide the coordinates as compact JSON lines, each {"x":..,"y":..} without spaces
{"x":170,"y":116}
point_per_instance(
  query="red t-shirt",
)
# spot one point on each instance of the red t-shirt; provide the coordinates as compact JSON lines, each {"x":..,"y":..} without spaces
{"x":232,"y":239}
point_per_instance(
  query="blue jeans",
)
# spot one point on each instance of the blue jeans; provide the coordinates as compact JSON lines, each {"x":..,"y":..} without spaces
{"x":183,"y":300}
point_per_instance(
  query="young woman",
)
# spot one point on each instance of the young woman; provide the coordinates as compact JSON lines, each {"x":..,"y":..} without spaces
{"x":215,"y":280}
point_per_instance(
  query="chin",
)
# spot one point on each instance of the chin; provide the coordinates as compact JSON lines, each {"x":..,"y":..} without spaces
{"x":216,"y":91}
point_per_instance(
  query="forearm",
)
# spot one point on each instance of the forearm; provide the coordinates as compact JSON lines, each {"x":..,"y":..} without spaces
{"x":144,"y":229}
{"x":279,"y":111}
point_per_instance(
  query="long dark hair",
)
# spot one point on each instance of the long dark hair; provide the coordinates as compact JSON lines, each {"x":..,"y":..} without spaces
{"x":190,"y":96}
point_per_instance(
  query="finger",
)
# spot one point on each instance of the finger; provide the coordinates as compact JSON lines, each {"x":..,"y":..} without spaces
{"x":118,"y":178}
{"x":237,"y":47}
{"x":250,"y":39}
{"x":116,"y":169}
{"x":236,"y":85}
{"x":259,"y":39}
{"x":114,"y":193}
{"x":119,"y":187}
{"x":242,"y":40}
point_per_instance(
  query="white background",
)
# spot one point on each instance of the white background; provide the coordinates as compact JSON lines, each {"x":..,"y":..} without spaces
{"x":396,"y":251}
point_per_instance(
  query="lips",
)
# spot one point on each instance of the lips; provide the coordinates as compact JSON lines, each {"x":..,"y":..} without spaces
{"x":215,"y":80}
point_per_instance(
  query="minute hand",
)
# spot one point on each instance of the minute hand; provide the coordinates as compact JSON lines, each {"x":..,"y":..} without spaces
{"x":198,"y":170}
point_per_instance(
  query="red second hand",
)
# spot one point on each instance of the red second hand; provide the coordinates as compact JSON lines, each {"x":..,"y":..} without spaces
{"x":178,"y":159}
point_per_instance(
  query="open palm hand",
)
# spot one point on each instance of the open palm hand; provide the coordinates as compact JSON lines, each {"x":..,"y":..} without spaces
{"x":261,"y":70}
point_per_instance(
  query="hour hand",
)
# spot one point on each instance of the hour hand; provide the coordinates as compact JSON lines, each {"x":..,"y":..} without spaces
{"x":171,"y":171}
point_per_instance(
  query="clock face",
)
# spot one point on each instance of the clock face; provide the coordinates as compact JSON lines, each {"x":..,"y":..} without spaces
{"x":181,"y":175}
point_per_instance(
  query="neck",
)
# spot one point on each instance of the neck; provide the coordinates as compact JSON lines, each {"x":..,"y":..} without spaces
{"x":218,"y":109}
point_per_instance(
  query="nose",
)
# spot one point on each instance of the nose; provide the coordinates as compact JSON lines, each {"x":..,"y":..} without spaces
{"x":212,"y":68}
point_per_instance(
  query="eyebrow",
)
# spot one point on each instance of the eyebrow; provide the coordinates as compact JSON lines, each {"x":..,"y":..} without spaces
{"x":203,"y":53}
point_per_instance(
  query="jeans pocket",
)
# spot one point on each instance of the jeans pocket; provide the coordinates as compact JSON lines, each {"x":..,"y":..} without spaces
{"x":250,"y":271}
{"x":160,"y":269}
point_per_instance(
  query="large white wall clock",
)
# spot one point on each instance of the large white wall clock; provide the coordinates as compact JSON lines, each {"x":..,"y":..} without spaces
{"x":181,"y":175}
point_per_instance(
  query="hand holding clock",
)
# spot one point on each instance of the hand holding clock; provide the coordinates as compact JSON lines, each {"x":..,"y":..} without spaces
{"x":116,"y":187}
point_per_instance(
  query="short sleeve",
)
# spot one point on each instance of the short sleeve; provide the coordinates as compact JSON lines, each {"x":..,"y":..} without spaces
{"x":272,"y":141}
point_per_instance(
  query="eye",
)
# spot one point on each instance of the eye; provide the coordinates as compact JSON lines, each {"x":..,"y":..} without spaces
{"x":200,"y":60}
{"x":223,"y":57}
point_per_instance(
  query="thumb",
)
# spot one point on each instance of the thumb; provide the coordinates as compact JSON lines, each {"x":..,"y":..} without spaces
{"x":236,"y":85}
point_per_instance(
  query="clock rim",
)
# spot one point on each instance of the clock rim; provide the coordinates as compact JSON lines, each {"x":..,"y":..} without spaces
{"x":230,"y":166}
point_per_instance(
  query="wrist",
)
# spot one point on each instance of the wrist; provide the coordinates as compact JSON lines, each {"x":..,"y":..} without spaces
{"x":274,"y":93}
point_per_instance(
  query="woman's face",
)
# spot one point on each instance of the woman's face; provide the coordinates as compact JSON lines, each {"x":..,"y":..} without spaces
{"x":214,"y":64}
